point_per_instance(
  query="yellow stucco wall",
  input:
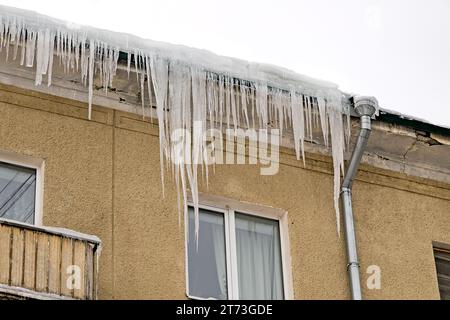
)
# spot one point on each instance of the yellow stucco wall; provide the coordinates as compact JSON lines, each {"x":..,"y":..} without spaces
{"x":102,"y":177}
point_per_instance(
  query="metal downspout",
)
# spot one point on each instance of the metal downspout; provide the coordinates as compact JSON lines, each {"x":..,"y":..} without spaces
{"x":365,"y":107}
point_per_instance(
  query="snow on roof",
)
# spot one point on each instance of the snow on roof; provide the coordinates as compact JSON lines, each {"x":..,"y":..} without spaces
{"x":411,"y":118}
{"x":251,"y":71}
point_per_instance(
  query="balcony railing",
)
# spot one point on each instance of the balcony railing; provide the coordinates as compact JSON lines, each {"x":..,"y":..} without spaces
{"x":47,"y":263}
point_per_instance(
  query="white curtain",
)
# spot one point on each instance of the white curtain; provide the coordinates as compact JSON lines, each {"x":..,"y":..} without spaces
{"x":219,"y":251}
{"x":258,"y":258}
{"x":258,"y":249}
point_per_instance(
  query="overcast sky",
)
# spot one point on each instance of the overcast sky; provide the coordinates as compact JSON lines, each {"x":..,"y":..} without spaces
{"x":396,"y":50}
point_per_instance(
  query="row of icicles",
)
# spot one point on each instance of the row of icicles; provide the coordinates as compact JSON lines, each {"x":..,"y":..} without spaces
{"x":184,"y":95}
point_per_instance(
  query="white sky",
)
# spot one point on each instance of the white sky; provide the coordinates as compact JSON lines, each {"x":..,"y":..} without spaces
{"x":396,"y":50}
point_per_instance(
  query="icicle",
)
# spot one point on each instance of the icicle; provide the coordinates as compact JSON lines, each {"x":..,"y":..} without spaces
{"x":298,"y":126}
{"x":348,"y":127}
{"x":227,"y":100}
{"x":50,"y":58}
{"x":69,"y":52}
{"x":337,"y":145}
{"x":30,"y":49}
{"x":92,"y":48}
{"x":198,"y":127}
{"x":63,"y":52}
{"x":243,"y":91}
{"x":309,"y":117}
{"x":234,"y":112}
{"x":116,"y":55}
{"x":323,"y":119}
{"x":149,"y":89}
{"x":77,"y":53}
{"x":221,"y":100}
{"x":142,"y":79}
{"x":98,"y":60}
{"x":22,"y":51}
{"x":39,"y":57}
{"x":42,"y":54}
{"x":180,"y":119}
{"x":9,"y":33}
{"x":136,"y":68}
{"x":210,"y":99}
{"x":2,"y":31}
{"x":278,"y":109}
{"x":128,"y":64}
{"x":261,"y":91}
{"x":17,"y":41}
{"x":159,"y":75}
{"x":199,"y":113}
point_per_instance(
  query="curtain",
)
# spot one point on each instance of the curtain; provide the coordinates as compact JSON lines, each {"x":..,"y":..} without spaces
{"x":207,"y":264}
{"x":17,"y":193}
{"x":258,"y":258}
{"x":218,"y":237}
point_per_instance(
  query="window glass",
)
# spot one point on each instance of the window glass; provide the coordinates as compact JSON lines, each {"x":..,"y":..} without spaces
{"x":207,"y":265}
{"x":17,"y":193}
{"x":442,"y":258}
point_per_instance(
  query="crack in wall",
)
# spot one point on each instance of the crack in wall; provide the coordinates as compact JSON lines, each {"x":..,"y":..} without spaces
{"x":406,"y":153}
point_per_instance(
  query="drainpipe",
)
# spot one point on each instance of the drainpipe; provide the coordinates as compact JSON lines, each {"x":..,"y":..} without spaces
{"x":365,"y":107}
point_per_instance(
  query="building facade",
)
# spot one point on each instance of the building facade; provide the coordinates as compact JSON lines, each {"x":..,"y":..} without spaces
{"x":102,"y":177}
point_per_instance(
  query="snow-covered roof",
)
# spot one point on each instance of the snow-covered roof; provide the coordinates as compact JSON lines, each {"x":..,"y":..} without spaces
{"x":251,"y":71}
{"x":411,"y":118}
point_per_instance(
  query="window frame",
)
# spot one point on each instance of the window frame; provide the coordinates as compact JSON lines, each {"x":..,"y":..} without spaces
{"x":30,"y":163}
{"x":228,"y":207}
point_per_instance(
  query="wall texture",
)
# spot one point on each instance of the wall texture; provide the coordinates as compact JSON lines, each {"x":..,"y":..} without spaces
{"x":102,"y":177}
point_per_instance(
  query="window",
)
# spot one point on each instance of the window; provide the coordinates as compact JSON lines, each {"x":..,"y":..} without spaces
{"x":442,"y":258}
{"x":20,"y":190}
{"x":241,"y":252}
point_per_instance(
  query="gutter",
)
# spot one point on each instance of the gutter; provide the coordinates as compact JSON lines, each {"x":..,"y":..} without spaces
{"x":365,"y":107}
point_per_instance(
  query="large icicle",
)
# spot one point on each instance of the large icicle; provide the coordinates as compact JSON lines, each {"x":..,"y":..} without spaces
{"x":160,"y":77}
{"x":298,"y":125}
{"x":334,"y":109}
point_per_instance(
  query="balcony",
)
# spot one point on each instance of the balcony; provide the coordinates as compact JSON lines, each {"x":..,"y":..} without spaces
{"x":47,"y":263}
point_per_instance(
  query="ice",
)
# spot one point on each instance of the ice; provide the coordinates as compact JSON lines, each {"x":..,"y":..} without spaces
{"x":92,"y":48}
{"x":334,"y":109}
{"x":323,"y":119}
{"x":298,"y":125}
{"x":160,"y":76}
{"x":193,"y":89}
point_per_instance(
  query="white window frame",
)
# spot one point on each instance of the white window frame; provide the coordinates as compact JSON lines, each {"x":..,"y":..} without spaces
{"x":228,"y":207}
{"x":35,"y":164}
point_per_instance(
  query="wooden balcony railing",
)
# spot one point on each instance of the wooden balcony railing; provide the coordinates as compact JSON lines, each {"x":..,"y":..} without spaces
{"x":47,"y":263}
